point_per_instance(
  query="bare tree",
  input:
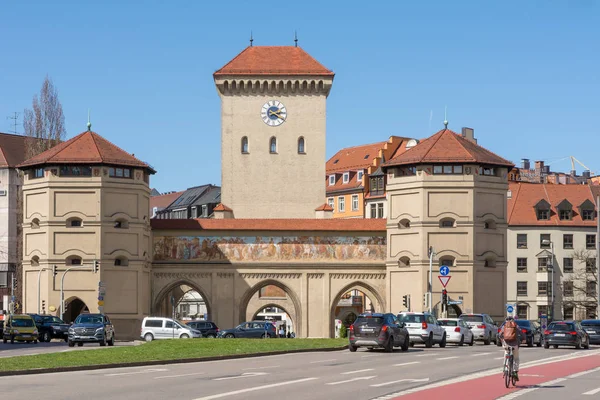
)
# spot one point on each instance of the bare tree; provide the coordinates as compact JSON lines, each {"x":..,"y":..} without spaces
{"x":44,"y":124}
{"x":580,"y":286}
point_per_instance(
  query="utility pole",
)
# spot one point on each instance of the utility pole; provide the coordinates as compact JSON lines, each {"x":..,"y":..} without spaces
{"x":62,"y":285}
{"x":430,"y":285}
{"x":15,"y":118}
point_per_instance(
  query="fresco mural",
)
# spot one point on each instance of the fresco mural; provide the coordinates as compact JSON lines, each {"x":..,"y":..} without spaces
{"x":260,"y":248}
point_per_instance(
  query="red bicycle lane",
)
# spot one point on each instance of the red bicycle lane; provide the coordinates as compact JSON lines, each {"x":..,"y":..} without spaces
{"x":492,"y":387}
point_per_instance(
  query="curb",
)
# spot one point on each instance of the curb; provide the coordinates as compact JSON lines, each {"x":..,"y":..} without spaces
{"x":163,"y":362}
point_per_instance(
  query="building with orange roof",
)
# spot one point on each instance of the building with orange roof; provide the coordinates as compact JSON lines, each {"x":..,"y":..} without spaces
{"x":353,"y":190}
{"x":553,"y":250}
{"x":162,"y":201}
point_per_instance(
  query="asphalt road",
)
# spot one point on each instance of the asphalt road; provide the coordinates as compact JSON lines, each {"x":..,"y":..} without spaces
{"x":55,"y":346}
{"x":319,"y":376}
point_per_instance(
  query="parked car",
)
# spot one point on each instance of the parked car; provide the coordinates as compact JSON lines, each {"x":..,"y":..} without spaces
{"x":566,"y":333}
{"x":166,"y":328}
{"x":592,"y":328}
{"x":482,"y":326}
{"x":457,"y":331}
{"x":20,"y":328}
{"x":51,"y":327}
{"x":423,"y":328}
{"x":372,"y":330}
{"x":253,"y":329}
{"x":91,"y":328}
{"x":208,"y":328}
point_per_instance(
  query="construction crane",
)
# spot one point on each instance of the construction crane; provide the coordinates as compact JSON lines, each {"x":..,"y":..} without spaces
{"x":573,"y":161}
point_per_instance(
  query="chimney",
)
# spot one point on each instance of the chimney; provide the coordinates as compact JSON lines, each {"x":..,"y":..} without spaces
{"x":587,"y":174}
{"x":525,"y":163}
{"x":469,"y":134}
{"x":546,"y":169}
{"x":539,"y":166}
{"x":324,"y":212}
{"x":573,"y":172}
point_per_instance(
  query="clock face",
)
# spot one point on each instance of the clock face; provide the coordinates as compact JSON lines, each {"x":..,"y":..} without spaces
{"x":273,"y":113}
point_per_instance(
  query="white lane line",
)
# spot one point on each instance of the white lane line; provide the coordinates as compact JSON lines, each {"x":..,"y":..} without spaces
{"x":480,"y":354}
{"x":499,"y":358}
{"x":446,"y":358}
{"x":399,"y":381}
{"x":427,"y":354}
{"x":406,"y":363}
{"x":322,"y":361}
{"x":268,"y":367}
{"x":592,"y":392}
{"x":356,"y":372}
{"x":146,"y":371}
{"x":550,"y":383}
{"x":370,"y":355}
{"x":253,"y":389}
{"x":244,"y":375}
{"x":178,"y":376}
{"x":362,"y":378}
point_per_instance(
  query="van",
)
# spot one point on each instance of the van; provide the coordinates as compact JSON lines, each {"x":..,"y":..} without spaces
{"x":166,"y":328}
{"x":20,"y":328}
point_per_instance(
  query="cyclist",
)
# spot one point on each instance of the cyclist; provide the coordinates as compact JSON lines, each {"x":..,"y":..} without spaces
{"x":511,"y":336}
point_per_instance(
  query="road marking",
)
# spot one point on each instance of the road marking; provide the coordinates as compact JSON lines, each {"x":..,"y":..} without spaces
{"x":499,"y":358}
{"x":244,"y":375}
{"x":370,"y":355}
{"x":253,"y":389}
{"x":178,"y":376}
{"x":592,"y":392}
{"x":550,"y":383}
{"x":406,"y":363}
{"x":322,"y":361}
{"x":480,"y":354}
{"x":146,"y":371}
{"x":362,"y":378}
{"x":446,"y":358}
{"x":268,"y":367}
{"x":399,"y":381}
{"x":427,"y":355}
{"x":356,"y":372}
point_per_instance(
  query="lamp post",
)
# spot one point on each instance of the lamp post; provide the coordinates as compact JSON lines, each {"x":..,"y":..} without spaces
{"x":430,"y":288}
{"x":550,"y":266}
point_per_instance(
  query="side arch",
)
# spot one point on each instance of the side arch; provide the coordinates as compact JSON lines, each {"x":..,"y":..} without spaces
{"x":367,"y":289}
{"x":161,"y":296}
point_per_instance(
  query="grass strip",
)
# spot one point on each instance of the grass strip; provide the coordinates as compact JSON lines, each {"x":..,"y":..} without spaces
{"x":163,"y":350}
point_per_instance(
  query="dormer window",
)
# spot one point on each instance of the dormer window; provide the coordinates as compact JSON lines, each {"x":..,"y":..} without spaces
{"x":331,"y":180}
{"x":359,"y":176}
{"x":587,"y":209}
{"x":542,"y":209}
{"x":565,"y":210}
{"x":346,"y":177}
{"x":377,"y":185}
{"x":587,"y":215}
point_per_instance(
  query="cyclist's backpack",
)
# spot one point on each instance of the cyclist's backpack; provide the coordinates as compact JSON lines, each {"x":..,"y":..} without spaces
{"x":510,"y":331}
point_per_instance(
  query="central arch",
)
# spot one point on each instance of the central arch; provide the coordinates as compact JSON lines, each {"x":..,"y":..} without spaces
{"x":368,"y":290}
{"x":163,"y":307}
{"x":73,"y":307}
{"x":293,"y":309}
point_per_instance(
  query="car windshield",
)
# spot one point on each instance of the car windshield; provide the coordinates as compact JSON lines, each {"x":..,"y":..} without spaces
{"x":471,"y":318}
{"x":448,"y":323}
{"x":369,"y":321}
{"x":88,"y":319}
{"x":591,"y":324}
{"x":523,"y":323}
{"x":53,"y":320}
{"x":22,"y":322}
{"x":561,"y":327}
{"x":411,"y":318}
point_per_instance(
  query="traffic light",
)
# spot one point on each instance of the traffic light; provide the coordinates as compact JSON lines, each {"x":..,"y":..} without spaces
{"x":14,"y":282}
{"x":96,"y":265}
{"x":444,"y":297}
{"x":54,"y":270}
{"x":425,"y":303}
{"x":405,"y":301}
{"x":43,"y":306}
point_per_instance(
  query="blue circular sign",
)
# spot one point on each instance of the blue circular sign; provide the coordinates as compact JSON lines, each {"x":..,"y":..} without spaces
{"x":510,"y":309}
{"x":444,"y":270}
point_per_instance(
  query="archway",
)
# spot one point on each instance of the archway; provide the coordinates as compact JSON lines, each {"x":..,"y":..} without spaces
{"x":73,"y":307}
{"x":271,"y":293}
{"x":278,"y":316}
{"x":183,"y":300}
{"x":350,"y":302}
{"x":453,"y":311}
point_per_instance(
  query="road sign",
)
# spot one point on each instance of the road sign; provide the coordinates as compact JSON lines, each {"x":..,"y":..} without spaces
{"x":100,"y":303}
{"x":100,"y":298}
{"x":101,"y":284}
{"x":455,"y":302}
{"x":444,"y":270}
{"x":444,"y":279}
{"x":509,"y":308}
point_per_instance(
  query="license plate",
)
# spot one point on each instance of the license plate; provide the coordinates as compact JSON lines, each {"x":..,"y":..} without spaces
{"x":559,"y":334}
{"x":591,"y":331}
{"x":368,"y":329}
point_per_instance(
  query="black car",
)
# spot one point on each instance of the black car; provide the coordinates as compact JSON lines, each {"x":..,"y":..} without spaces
{"x":531,"y":331}
{"x":51,"y":327}
{"x":566,"y":333}
{"x":592,"y":328}
{"x":91,"y":328}
{"x":209,"y":329}
{"x":252,"y":330}
{"x":378,"y":330}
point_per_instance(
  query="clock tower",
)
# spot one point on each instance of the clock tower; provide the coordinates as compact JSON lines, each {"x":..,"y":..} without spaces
{"x":273,"y":117}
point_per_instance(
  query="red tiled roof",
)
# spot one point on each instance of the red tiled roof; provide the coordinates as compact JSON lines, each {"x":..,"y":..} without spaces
{"x":524,"y":197}
{"x":164,"y":200}
{"x":340,"y":186}
{"x":353,"y":158}
{"x":447,"y":146}
{"x":222,"y":207}
{"x":324,"y":207}
{"x":314,"y":225}
{"x":12,"y":150}
{"x":273,"y":60}
{"x":86,"y":148}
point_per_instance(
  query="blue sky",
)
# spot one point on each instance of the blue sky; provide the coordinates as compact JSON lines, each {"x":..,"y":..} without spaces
{"x":524,"y":75}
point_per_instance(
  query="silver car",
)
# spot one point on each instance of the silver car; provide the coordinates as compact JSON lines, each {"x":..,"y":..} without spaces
{"x":457,"y":331}
{"x":482,"y":326}
{"x":423,"y":328}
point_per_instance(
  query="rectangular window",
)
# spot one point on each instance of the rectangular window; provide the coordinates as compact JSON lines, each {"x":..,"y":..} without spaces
{"x":379,"y":210}
{"x":564,"y":215}
{"x":37,"y":173}
{"x":568,"y":289}
{"x":590,"y":289}
{"x":458,"y":169}
{"x":341,"y":204}
{"x":590,"y":265}
{"x":3,"y":279}
{"x":359,"y":176}
{"x":542,"y":264}
{"x":544,"y":241}
{"x":438,"y":169}
{"x":587,"y":215}
{"x":447,"y":169}
{"x":567,"y":241}
{"x":331,"y":180}
{"x":75,"y":171}
{"x":590,"y":312}
{"x":567,"y":264}
{"x":568,"y":313}
{"x":354,"y":202}
{"x":522,"y":264}
{"x":119,"y":172}
{"x":590,"y":241}
{"x":330,"y":202}
{"x":346,"y":177}
{"x":542,"y":310}
{"x":522,"y":311}
{"x":521,"y":241}
{"x":543,"y":289}
{"x":377,"y":186}
{"x":373,"y":210}
{"x":543,"y":215}
{"x":522,"y":288}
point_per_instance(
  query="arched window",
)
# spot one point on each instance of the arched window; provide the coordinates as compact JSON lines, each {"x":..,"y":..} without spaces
{"x":489,"y":224}
{"x":74,"y":260}
{"x":447,"y":223}
{"x":301,"y":148}
{"x":35,"y":223}
{"x":35,"y":261}
{"x":245,"y":145}
{"x":404,"y":262}
{"x":490,"y":262}
{"x":404,"y":224}
{"x":447,"y":261}
{"x":122,"y":261}
{"x":121,"y":224}
{"x":74,"y":222}
{"x":273,"y":145}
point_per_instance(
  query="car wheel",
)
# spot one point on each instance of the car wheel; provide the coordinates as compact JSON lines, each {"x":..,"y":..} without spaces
{"x":103,"y":341}
{"x":35,"y":341}
{"x":80,"y":344}
{"x":578,"y":344}
{"x":4,"y":339}
{"x":12,"y":339}
{"x":555,"y":346}
{"x":185,"y":336}
{"x":530,"y":342}
{"x":406,"y":344}
{"x":462,"y":340}
{"x":443,"y":342}
{"x":45,"y":337}
{"x":71,"y":344}
{"x":111,"y":342}
{"x":539,"y":344}
{"x":472,"y":340}
{"x":352,"y":348}
{"x":389,"y":346}
{"x":488,"y":340}
{"x":148,"y":337}
{"x":210,"y":336}
{"x":229,"y":336}
{"x":546,"y":346}
{"x":429,"y":342}
{"x":587,"y":344}
{"x":265,"y":336}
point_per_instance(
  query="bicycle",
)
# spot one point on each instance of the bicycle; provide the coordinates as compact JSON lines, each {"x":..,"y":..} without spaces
{"x":508,"y":372}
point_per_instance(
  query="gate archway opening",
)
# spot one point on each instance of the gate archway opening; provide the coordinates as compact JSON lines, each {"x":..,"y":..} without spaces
{"x":279,"y":317}
{"x":352,"y":301}
{"x":454,"y":311}
{"x":73,"y":307}
{"x":183,"y":301}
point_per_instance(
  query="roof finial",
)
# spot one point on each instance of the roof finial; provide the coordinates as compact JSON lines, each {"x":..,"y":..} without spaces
{"x":445,"y":117}
{"x":251,"y":39}
{"x":295,"y":39}
{"x":89,"y":124}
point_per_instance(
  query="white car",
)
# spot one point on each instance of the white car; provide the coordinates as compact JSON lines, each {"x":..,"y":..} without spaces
{"x":166,"y":328}
{"x":482,"y":326}
{"x":423,"y":328}
{"x":457,"y":331}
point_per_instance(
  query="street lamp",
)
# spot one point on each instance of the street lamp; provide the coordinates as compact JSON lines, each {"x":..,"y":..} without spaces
{"x":550,"y":267}
{"x":430,"y":288}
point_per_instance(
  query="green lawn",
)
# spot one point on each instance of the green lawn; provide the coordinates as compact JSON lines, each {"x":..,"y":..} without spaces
{"x":163,"y":350}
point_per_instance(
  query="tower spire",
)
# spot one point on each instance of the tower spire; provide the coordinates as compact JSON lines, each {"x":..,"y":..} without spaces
{"x":251,"y":39}
{"x":295,"y":39}
{"x":445,"y":117}
{"x":89,"y":124}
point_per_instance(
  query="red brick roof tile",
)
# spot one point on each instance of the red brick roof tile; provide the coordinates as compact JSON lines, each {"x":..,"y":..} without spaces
{"x":353,"y":158}
{"x":324,"y":207}
{"x":12,"y":150}
{"x":222,"y":207}
{"x":447,"y":146}
{"x":164,"y":200}
{"x":273,"y":60}
{"x":86,"y":148}
{"x":290,"y":225}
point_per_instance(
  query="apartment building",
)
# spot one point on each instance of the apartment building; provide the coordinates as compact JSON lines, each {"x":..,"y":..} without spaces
{"x":195,"y":202}
{"x":552,"y":250}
